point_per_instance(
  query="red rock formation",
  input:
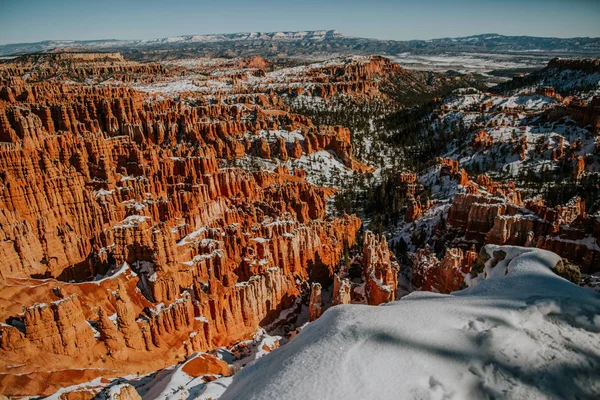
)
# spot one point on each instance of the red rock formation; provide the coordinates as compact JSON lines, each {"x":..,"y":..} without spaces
{"x":315,"y":304}
{"x":514,"y":229}
{"x":59,"y":327}
{"x":450,"y":167}
{"x":578,"y":168}
{"x":564,"y":215}
{"x":445,"y":276}
{"x":422,"y":260}
{"x":500,"y":189}
{"x":264,"y":150}
{"x":559,"y":151}
{"x":360,"y":79}
{"x":126,"y":321}
{"x":380,"y":270}
{"x":546,"y":91}
{"x":482,"y":141}
{"x":459,"y":212}
{"x":587,"y":257}
{"x":414,"y":209}
{"x":408,"y":177}
{"x":99,"y":178}
{"x":204,"y":364}
{"x":111,"y":336}
{"x":567,"y":229}
{"x":342,"y":289}
{"x":521,"y":148}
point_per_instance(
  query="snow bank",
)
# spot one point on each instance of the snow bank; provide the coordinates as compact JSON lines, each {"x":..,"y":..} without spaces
{"x":173,"y":383}
{"x":521,"y":333}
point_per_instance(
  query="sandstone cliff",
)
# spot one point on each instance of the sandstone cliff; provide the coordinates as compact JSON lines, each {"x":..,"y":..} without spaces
{"x":128,"y":240}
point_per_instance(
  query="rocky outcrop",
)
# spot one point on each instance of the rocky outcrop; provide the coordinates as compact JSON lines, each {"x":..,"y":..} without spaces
{"x":59,"y":327}
{"x":342,"y":289}
{"x":414,"y":208}
{"x":204,"y":364}
{"x":315,"y":304}
{"x":569,"y":271}
{"x":459,"y":214}
{"x":482,"y":141}
{"x":578,"y":168}
{"x":566,"y":229}
{"x":584,"y":64}
{"x":445,"y":276}
{"x":123,"y":391}
{"x":506,"y":190}
{"x":380,"y":270}
{"x":450,"y":167}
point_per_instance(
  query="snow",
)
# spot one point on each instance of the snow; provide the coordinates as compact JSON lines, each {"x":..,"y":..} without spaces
{"x":201,"y":257}
{"x":528,"y":102}
{"x":94,"y":384}
{"x":153,"y":277}
{"x":272,"y":135}
{"x":183,"y":85}
{"x":190,"y":238}
{"x":114,"y":392}
{"x":323,"y":168}
{"x":521,"y":333}
{"x":507,"y":121}
{"x":131,"y":222}
{"x":173,"y":383}
{"x":135,"y":205}
{"x":468,"y":62}
{"x":102,"y":192}
{"x":569,"y":79}
{"x":260,"y":239}
{"x":213,"y":390}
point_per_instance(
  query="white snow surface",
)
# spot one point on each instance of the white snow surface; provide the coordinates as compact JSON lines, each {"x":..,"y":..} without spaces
{"x":521,"y":333}
{"x":173,"y":383}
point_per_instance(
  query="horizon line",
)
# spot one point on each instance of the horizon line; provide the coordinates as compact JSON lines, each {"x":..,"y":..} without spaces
{"x":297,"y":31}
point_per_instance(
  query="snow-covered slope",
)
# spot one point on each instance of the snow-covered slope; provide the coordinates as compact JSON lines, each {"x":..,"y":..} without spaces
{"x":579,"y":77}
{"x":523,"y":332}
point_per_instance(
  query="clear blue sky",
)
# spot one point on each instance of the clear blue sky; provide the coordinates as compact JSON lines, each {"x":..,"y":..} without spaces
{"x":35,"y":20}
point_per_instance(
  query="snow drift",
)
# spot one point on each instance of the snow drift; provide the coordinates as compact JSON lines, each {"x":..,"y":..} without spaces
{"x":523,"y":332}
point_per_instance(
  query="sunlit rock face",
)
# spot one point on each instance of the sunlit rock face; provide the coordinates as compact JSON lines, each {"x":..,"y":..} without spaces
{"x":130,"y":238}
{"x":380,"y":270}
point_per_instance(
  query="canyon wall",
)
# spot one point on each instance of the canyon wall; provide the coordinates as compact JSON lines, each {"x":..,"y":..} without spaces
{"x":129,"y":238}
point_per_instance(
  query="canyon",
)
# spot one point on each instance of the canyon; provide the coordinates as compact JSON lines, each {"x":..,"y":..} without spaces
{"x":130,"y":240}
{"x":177,"y":220}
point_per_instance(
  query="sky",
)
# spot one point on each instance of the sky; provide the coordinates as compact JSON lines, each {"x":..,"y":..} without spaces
{"x":36,"y":20}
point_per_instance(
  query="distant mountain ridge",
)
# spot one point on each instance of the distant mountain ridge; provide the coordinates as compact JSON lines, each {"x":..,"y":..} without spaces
{"x":494,"y":41}
{"x":49,"y":45}
{"x":318,"y":41}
